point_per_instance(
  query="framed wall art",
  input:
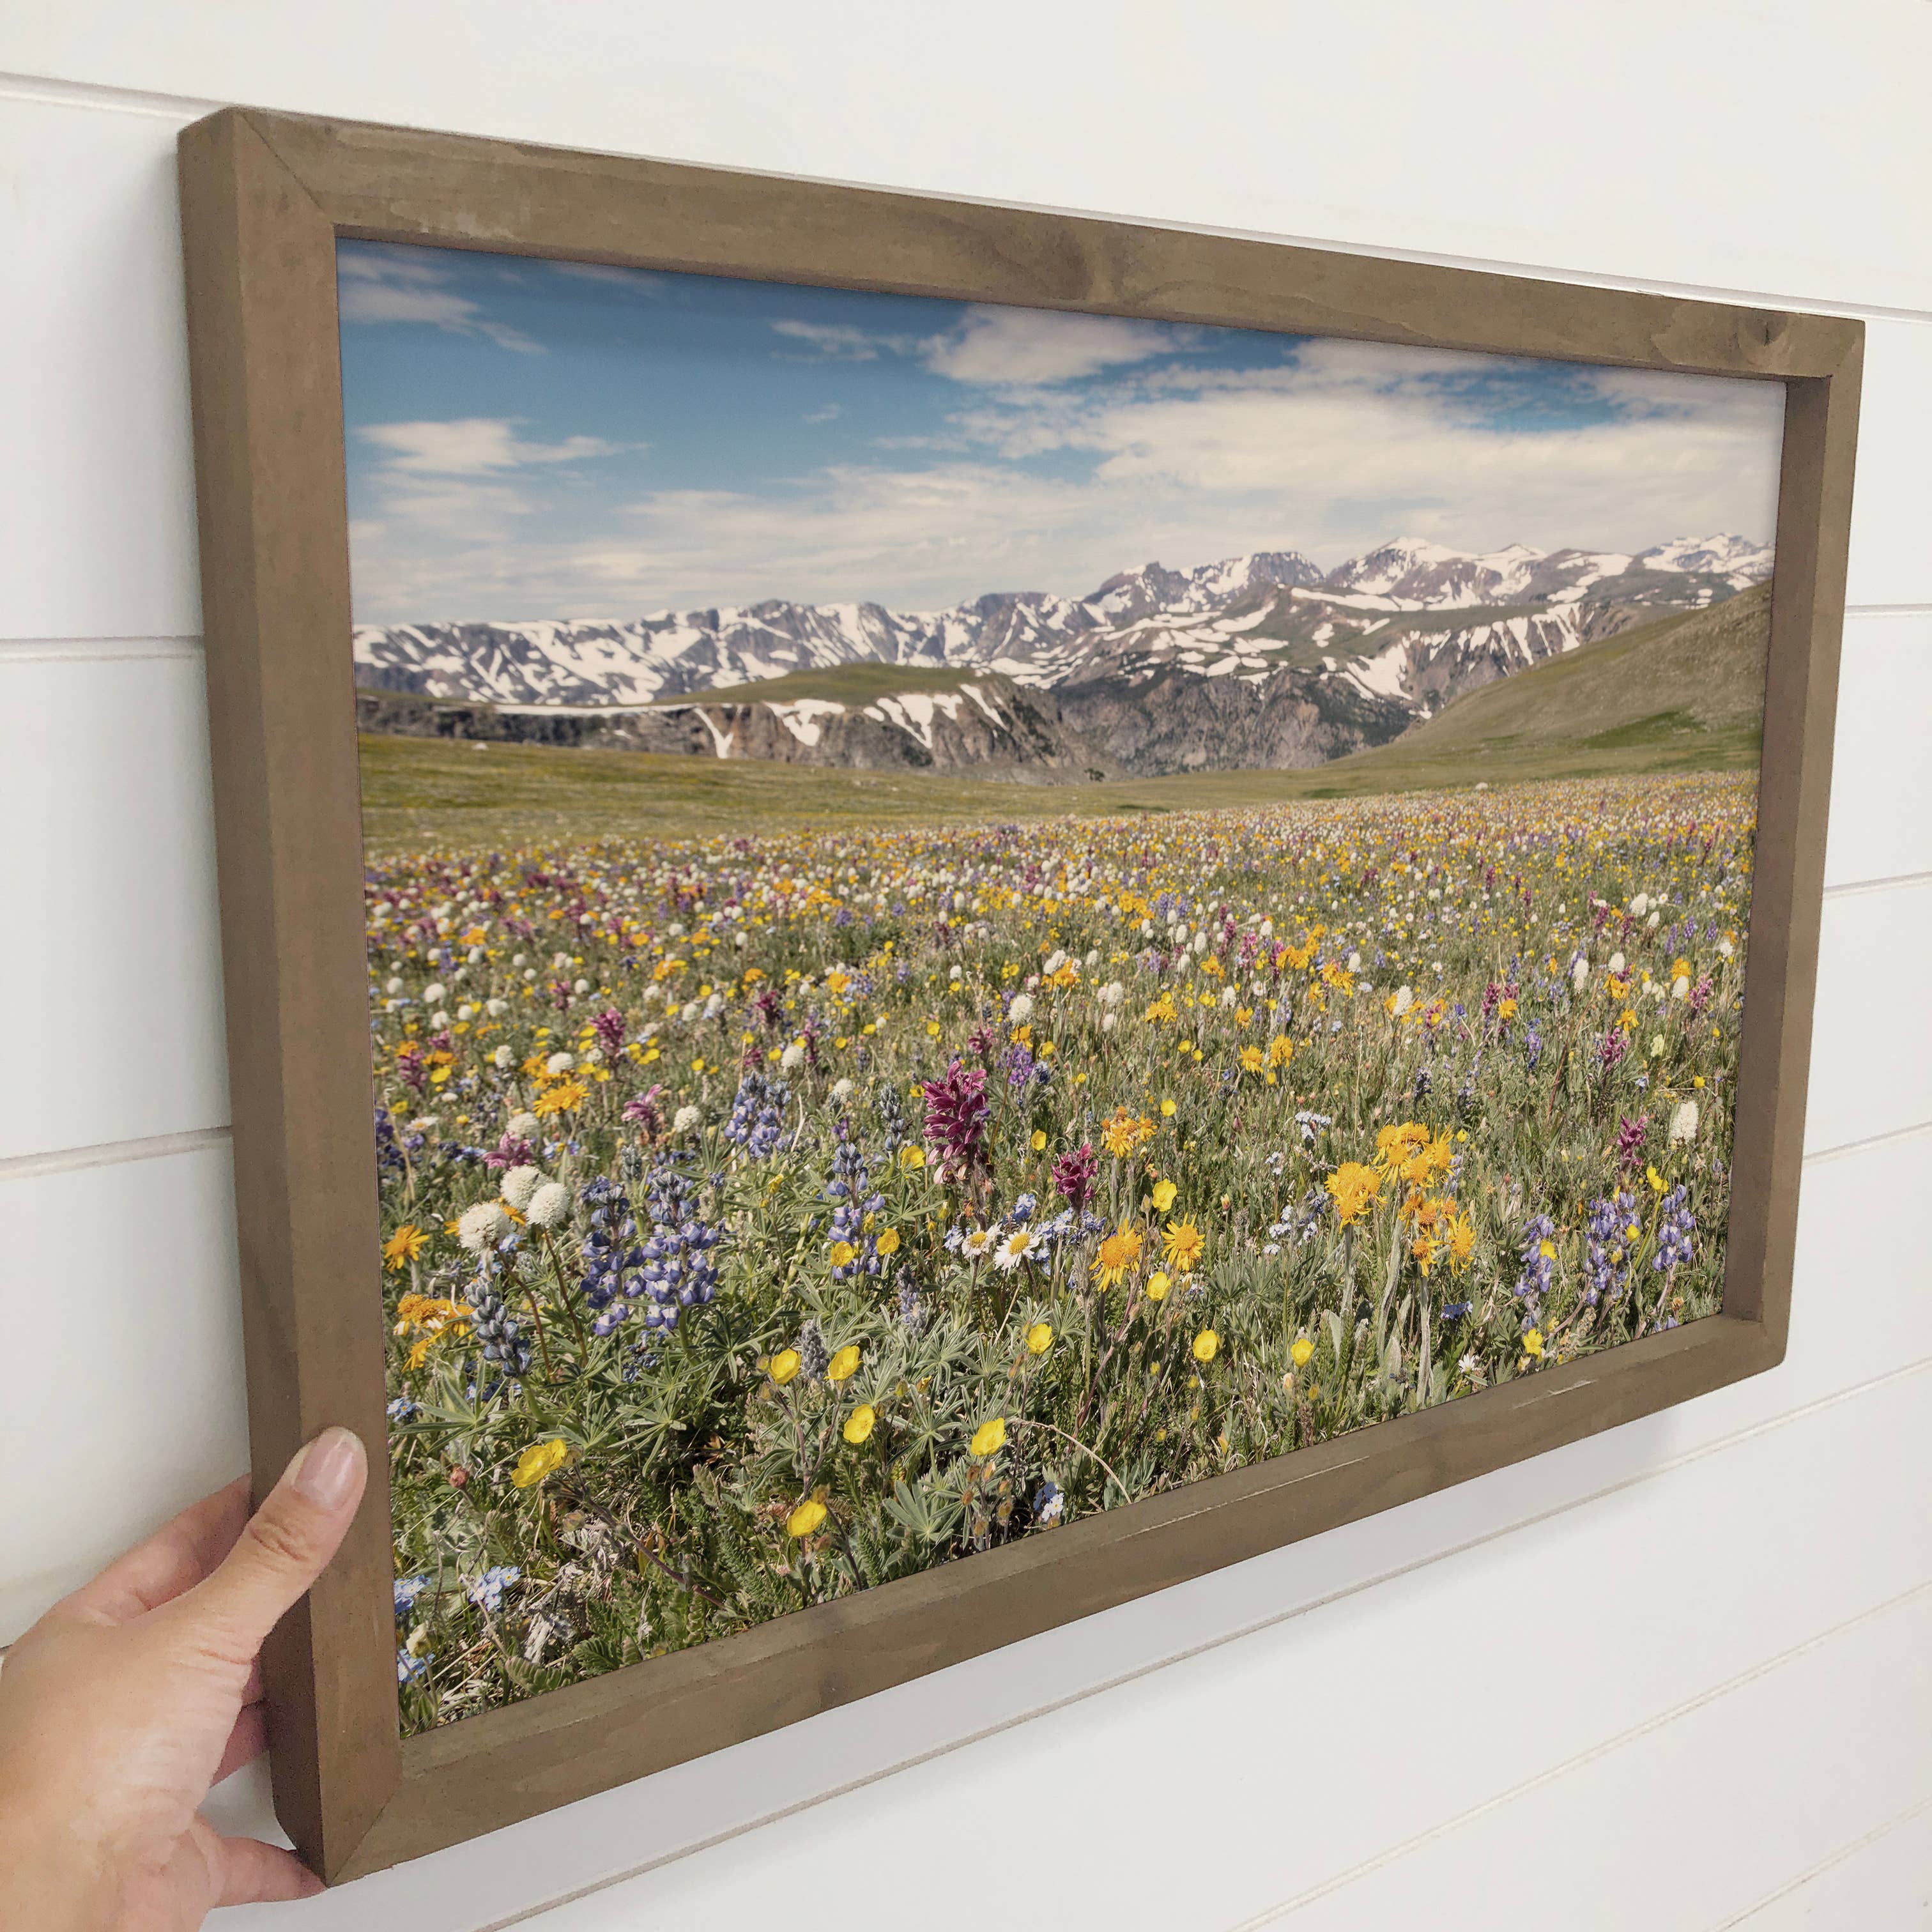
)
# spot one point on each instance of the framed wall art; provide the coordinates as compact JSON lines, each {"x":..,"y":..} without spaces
{"x":934,"y":914}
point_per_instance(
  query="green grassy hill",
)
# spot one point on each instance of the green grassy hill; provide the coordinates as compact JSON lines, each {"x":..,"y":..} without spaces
{"x":856,"y":685}
{"x":1685,"y":694}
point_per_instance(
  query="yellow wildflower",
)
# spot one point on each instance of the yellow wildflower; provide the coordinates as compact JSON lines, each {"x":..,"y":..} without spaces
{"x":1205,"y":1345}
{"x":888,"y":1243}
{"x":785,"y":1366}
{"x":403,"y":1246}
{"x":843,"y":1254}
{"x":1303,"y":1350}
{"x":804,"y":1518}
{"x":1118,"y":1252}
{"x":1039,"y":1338}
{"x":1181,"y":1246}
{"x":858,"y":1423}
{"x":1164,"y":1192}
{"x":845,"y":1365}
{"x":1353,"y":1188}
{"x":990,"y":1438}
{"x":539,"y":1460}
{"x":1158,"y":1284}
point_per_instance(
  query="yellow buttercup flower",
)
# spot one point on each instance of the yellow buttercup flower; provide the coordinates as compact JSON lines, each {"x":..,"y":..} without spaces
{"x":1167,"y":1110}
{"x":843,"y":1254}
{"x":539,"y":1460}
{"x":1158,"y":1284}
{"x":1206,"y":1345}
{"x":888,"y":1243}
{"x":990,"y":1438}
{"x":1164,"y":1192}
{"x":1532,"y":1343}
{"x":1301,"y":1352}
{"x":858,"y":1423}
{"x":845,"y":1365}
{"x":1039,"y":1338}
{"x":785,"y":1366}
{"x":1038,"y":1140}
{"x":804,"y":1518}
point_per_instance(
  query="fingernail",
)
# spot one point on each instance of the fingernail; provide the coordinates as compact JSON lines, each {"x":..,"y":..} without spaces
{"x":328,"y":1468}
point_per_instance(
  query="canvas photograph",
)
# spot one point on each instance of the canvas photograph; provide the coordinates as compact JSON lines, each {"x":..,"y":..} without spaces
{"x":977,"y":913}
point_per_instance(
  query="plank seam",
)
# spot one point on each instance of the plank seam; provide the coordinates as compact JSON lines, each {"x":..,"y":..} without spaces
{"x":83,"y":650}
{"x":110,"y":1154}
{"x":100,"y":96}
{"x":1826,"y":1864}
{"x":1340,"y":1594}
{"x":1765,"y":1667}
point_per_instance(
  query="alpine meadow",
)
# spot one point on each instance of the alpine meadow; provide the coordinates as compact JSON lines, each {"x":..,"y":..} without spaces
{"x":896,"y":1027}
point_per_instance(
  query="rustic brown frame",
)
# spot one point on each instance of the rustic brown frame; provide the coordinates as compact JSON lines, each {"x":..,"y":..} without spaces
{"x":265,"y":197}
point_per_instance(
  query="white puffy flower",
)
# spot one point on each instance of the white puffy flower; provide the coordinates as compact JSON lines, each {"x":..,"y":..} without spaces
{"x":793,"y":1057}
{"x":1093,"y":956}
{"x":466,"y":1011}
{"x":1650,"y":924}
{"x":1639,"y":905}
{"x":689,"y":1011}
{"x":559,"y":1063}
{"x":593,"y":1055}
{"x":1108,"y":1021}
{"x":1055,"y":960}
{"x":1404,"y":998}
{"x":1268,"y":929}
{"x":1684,"y":1123}
{"x":477,"y":956}
{"x":738,"y":939}
{"x":549,"y":1205}
{"x":496,"y":1008}
{"x":1579,"y":974}
{"x":1112,"y":993}
{"x":439,"y":1020}
{"x":841,"y":1089}
{"x":502,"y":1059}
{"x":956,"y":973}
{"x":1680,"y":987}
{"x":518,"y":958}
{"x":523,"y":1126}
{"x":520,"y":1184}
{"x":1725,"y":949}
{"x":482,"y":1226}
{"x":559,"y":960}
{"x":433,"y":993}
{"x":714,"y":1005}
{"x":684,"y":1120}
{"x":581,"y":986}
{"x":1617,"y":964}
{"x":1020,"y":1011}
{"x":393,"y":987}
{"x":530,"y":973}
{"x":1201,"y":942}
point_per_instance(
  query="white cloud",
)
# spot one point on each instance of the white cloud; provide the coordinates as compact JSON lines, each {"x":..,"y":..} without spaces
{"x":404,"y":288}
{"x":473,"y":446}
{"x":831,"y":413}
{"x":1019,"y":348}
{"x":838,"y":342}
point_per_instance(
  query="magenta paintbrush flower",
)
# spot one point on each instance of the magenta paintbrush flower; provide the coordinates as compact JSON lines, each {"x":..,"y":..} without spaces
{"x":956,"y":1119}
{"x":1074,"y":1175}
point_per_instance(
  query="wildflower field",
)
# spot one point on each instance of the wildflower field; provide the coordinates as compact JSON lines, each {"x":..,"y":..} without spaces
{"x":766,"y":1218}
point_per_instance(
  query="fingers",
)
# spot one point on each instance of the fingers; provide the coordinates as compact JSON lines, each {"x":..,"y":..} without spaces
{"x":249,"y":1872}
{"x":246,"y":1742}
{"x":175,"y":1558}
{"x":285,"y":1547}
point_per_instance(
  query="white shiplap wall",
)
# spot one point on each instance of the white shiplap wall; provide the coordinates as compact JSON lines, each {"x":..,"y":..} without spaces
{"x":1677,"y":1676}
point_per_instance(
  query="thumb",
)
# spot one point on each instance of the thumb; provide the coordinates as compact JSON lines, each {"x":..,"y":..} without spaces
{"x":288,"y":1542}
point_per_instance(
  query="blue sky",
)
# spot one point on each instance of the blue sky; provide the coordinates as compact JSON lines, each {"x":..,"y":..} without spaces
{"x":532,"y":439}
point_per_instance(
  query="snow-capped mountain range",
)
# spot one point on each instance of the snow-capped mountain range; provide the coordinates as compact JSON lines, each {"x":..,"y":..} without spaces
{"x":1408,"y":625}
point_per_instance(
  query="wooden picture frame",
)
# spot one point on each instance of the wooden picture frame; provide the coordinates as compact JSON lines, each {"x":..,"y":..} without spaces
{"x":266,"y":198}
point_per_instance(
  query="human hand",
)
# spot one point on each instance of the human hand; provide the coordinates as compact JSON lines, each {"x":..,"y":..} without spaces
{"x":129,"y":1699}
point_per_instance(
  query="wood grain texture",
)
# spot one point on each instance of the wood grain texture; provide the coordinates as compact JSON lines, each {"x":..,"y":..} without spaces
{"x":266,"y":198}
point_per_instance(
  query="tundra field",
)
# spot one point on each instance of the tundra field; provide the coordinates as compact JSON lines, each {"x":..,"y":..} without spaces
{"x":766,"y":1217}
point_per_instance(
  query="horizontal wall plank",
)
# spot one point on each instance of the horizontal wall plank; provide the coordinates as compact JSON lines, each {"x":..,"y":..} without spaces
{"x":1232,"y":1782}
{"x":1890,"y":561}
{"x":1881,"y":1883}
{"x":1251,"y":119}
{"x":97,"y":500}
{"x":1871,"y":1048}
{"x":1745,"y":1792}
{"x":1881,"y":823}
{"x":124,"y":1398}
{"x":113,"y":984}
{"x":1839,"y":1239}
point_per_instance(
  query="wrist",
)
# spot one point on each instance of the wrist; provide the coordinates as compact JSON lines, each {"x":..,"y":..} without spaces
{"x":50,"y":1878}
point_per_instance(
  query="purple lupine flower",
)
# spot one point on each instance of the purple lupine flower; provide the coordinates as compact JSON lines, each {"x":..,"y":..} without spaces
{"x":1607,"y":1265}
{"x":1674,"y":1229}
